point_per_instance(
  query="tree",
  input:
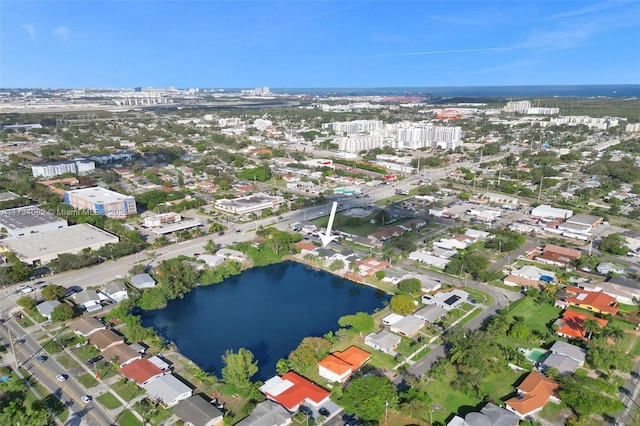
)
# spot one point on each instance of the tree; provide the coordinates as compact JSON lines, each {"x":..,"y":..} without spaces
{"x":63,"y":312}
{"x":336,"y":265}
{"x":210,"y":247}
{"x":26,"y":302}
{"x":410,"y":285}
{"x":282,"y":366}
{"x":402,"y":304}
{"x":53,"y":292}
{"x":612,"y":332}
{"x":368,"y":397}
{"x":591,"y":326}
{"x":309,"y":352}
{"x":614,"y":244}
{"x":239,"y":369}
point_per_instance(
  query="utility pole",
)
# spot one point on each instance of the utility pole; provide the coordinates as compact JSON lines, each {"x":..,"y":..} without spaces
{"x":540,"y":190}
{"x":13,"y":348}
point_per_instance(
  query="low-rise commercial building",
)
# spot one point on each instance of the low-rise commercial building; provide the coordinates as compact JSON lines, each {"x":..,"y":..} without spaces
{"x":101,"y":201}
{"x":23,"y":221}
{"x":249,"y":204}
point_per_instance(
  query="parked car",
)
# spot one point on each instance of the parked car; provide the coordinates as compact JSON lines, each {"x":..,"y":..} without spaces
{"x":70,"y":292}
{"x":86,"y":398}
{"x":26,"y":289}
{"x":324,"y":412}
{"x":94,"y":359}
{"x":61,"y":378}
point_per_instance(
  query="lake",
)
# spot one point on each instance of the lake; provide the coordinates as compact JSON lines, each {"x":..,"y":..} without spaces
{"x":267,"y":310}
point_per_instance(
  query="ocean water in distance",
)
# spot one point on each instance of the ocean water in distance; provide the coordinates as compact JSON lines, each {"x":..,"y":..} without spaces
{"x":596,"y":90}
{"x":268,"y":310}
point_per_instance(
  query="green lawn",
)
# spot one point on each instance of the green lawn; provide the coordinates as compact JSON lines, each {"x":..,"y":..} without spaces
{"x":407,"y":346}
{"x":109,"y":400}
{"x":341,"y":222}
{"x":86,"y":352}
{"x":128,"y":390}
{"x":480,"y":296}
{"x":26,"y":322}
{"x":635,"y":351}
{"x":128,"y":419}
{"x":162,"y":416}
{"x":535,"y":317}
{"x":87,"y":380}
{"x":52,"y":346}
{"x":67,"y":362}
{"x":105,"y":370}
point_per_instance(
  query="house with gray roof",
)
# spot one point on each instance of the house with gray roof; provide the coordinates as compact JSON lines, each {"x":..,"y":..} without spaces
{"x":88,"y":299}
{"x":407,"y":326}
{"x":116,"y":290}
{"x":86,"y":326}
{"x":196,"y":411}
{"x":430,"y":313}
{"x":211,"y":259}
{"x":267,"y":413}
{"x":45,"y":308}
{"x":564,"y":357}
{"x":384,"y":341}
{"x":141,"y":281}
{"x":489,"y":415}
{"x":168,"y":389}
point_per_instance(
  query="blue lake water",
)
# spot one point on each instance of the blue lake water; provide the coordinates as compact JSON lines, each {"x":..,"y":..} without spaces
{"x":267,"y":310}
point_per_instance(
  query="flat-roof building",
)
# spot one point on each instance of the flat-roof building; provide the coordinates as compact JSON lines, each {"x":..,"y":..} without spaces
{"x":249,"y":204}
{"x":57,"y":168}
{"x":23,"y":221}
{"x":101,"y":201}
{"x":43,"y":248}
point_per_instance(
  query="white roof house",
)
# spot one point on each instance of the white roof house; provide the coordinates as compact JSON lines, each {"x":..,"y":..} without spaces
{"x":408,"y":326}
{"x":391,"y":319}
{"x":429,"y":259}
{"x":143,"y":281}
{"x":547,"y":212}
{"x":384,"y":341}
{"x":168,"y":389}
{"x":45,"y":308}
{"x":447,"y":300}
{"x":533,"y":273}
{"x":430,"y":313}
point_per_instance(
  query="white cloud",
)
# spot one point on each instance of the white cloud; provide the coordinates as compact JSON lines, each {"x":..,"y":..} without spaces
{"x":31,"y":30}
{"x":62,"y":33}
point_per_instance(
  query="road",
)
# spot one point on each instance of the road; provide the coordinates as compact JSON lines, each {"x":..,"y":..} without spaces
{"x":69,"y":391}
{"x":629,"y":397}
{"x":501,"y":298}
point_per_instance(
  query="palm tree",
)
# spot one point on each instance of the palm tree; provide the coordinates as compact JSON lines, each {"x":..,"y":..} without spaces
{"x":591,"y":326}
{"x":613,"y":332}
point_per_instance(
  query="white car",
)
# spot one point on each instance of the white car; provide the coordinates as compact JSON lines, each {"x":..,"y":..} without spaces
{"x":26,"y":289}
{"x":86,"y":398}
{"x":61,"y":378}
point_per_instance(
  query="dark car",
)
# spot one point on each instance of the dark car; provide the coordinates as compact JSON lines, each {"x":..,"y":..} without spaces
{"x":324,"y":412}
{"x":41,"y":358}
{"x":94,"y":359}
{"x":221,"y":233}
{"x":238,"y":231}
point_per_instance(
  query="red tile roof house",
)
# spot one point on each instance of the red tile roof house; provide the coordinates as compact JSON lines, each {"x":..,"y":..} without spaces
{"x":141,"y":371}
{"x":370,"y":266}
{"x":571,"y":325}
{"x":563,"y":251}
{"x":595,"y":301}
{"x":339,"y":366}
{"x":533,"y":394}
{"x":292,"y":390}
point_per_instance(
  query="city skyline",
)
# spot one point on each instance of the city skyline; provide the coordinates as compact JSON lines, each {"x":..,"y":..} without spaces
{"x":77,"y":44}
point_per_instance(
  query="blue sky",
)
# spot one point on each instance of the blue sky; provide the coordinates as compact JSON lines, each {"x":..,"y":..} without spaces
{"x":224,"y":44}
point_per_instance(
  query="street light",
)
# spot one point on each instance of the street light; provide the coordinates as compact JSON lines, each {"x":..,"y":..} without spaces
{"x":431,"y":416}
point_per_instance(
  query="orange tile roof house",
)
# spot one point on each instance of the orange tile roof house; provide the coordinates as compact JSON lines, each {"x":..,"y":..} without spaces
{"x":339,"y":366}
{"x":141,"y":371}
{"x":533,"y":394}
{"x":563,"y":251}
{"x":595,"y":301}
{"x":292,"y":390}
{"x":571,"y":325}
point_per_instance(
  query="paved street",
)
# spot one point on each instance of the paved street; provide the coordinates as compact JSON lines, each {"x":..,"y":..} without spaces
{"x":630,"y":395}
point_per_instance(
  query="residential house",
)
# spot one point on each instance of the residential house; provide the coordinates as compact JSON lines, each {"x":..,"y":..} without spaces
{"x":104,"y":339}
{"x":88,"y":299}
{"x":46,"y":308}
{"x":168,"y":389}
{"x":429,"y":259}
{"x":570,"y":253}
{"x":160,"y":363}
{"x":236,"y":255}
{"x":622,"y":293}
{"x":267,"y":413}
{"x":307,"y":248}
{"x":292,"y":390}
{"x":595,"y":301}
{"x":141,"y":371}
{"x":534,"y":273}
{"x":197,"y":411}
{"x":533,"y":394}
{"x":116,"y":290}
{"x":554,"y":259}
{"x":370,"y":266}
{"x":121,"y":354}
{"x":489,"y":415}
{"x":447,"y":300}
{"x":517,"y":281}
{"x":391,"y":319}
{"x":571,"y":324}
{"x":606,"y":268}
{"x":564,"y":357}
{"x":211,"y":260}
{"x":339,"y":366}
{"x":86,"y":326}
{"x":407,"y":326}
{"x":366,"y":242}
{"x":142,"y":281}
{"x":384,"y":341}
{"x":430,"y":313}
